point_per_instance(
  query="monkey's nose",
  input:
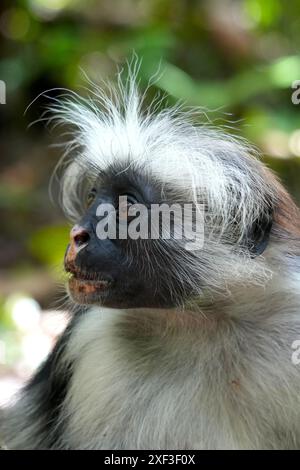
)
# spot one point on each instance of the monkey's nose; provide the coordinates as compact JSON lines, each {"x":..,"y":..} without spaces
{"x":79,"y":237}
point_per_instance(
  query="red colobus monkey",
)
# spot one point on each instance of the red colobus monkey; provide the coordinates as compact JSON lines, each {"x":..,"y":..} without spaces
{"x":169,"y":347}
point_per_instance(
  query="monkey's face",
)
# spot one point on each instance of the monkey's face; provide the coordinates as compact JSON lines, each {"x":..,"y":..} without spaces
{"x":124,"y":255}
{"x":110,"y":265}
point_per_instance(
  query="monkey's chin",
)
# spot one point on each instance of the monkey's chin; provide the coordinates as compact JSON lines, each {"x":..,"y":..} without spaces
{"x":85,"y":291}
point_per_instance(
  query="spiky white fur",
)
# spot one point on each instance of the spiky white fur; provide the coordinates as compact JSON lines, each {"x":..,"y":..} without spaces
{"x":185,"y":383}
{"x":216,"y":373}
{"x":202,"y":164}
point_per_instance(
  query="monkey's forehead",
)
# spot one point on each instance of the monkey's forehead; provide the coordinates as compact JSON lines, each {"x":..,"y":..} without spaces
{"x":190,"y":160}
{"x":208,"y":165}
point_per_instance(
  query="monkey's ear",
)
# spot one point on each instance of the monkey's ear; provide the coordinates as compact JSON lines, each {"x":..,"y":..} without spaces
{"x":258,"y":237}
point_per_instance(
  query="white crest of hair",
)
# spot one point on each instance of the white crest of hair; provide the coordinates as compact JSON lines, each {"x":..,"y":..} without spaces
{"x":167,"y":144}
{"x":203,"y":164}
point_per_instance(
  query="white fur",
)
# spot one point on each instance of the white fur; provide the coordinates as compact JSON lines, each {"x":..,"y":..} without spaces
{"x":202,"y":162}
{"x":146,"y":379}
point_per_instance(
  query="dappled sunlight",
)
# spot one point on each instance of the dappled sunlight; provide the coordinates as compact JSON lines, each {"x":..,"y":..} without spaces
{"x":27,"y":341}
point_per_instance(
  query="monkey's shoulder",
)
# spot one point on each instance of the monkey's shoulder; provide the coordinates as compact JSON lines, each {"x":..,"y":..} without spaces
{"x":133,"y":388}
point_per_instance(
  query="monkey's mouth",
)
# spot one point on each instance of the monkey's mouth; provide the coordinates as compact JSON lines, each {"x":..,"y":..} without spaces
{"x":85,"y":291}
{"x":87,"y":287}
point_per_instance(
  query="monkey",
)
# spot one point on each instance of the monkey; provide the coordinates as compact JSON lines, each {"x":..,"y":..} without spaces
{"x":168,"y":346}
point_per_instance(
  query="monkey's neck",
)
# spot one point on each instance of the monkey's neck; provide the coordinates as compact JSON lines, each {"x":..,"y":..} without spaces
{"x":278,"y":298}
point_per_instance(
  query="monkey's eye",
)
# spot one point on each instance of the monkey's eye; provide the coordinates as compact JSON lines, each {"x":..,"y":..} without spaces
{"x":123,"y":209}
{"x":91,"y":197}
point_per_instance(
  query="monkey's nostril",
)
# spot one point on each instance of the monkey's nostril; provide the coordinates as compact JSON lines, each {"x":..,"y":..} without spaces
{"x":81,"y":238}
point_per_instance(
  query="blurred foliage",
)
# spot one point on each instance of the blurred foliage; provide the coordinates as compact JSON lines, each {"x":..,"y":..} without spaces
{"x":236,"y":59}
{"x":48,"y":244}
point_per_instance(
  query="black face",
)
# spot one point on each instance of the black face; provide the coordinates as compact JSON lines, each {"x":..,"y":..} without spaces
{"x":121,"y":273}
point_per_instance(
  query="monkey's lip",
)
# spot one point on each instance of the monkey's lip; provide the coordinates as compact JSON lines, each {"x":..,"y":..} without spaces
{"x":87,"y":283}
{"x":85,"y":276}
{"x":88,"y":286}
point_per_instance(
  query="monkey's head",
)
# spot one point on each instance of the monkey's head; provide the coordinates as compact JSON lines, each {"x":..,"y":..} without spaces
{"x":128,"y":168}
